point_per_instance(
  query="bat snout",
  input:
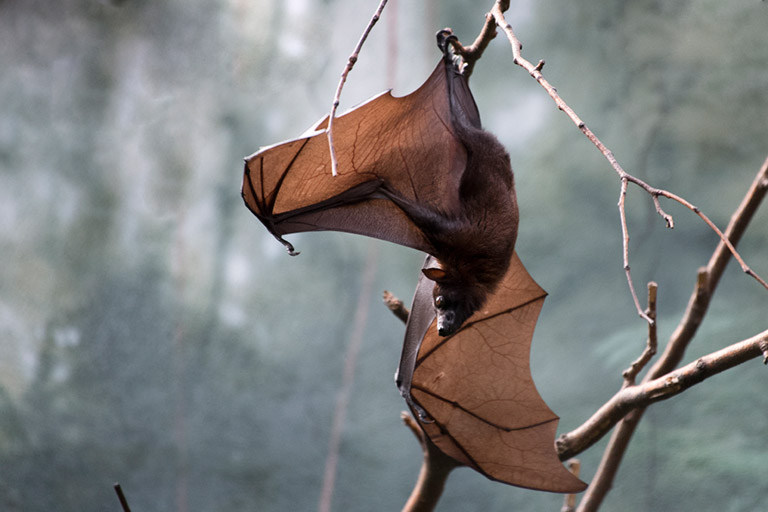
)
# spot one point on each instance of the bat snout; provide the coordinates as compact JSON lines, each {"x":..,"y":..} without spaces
{"x":446,"y":323}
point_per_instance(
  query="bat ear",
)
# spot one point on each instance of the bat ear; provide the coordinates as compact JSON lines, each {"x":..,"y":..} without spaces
{"x":434,"y":274}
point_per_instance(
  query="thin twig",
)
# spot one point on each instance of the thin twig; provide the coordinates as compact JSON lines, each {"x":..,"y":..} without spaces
{"x":337,"y":97}
{"x":535,"y":71}
{"x":744,"y":267}
{"x":651,"y":345}
{"x":707,"y":280}
{"x":344,"y":393}
{"x":121,"y":497}
{"x":625,"y":251}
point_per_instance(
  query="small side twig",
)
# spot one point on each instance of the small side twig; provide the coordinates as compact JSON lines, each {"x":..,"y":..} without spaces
{"x":337,"y":97}
{"x":653,"y":341}
{"x":396,"y":306}
{"x":578,"y":440}
{"x":625,"y":252}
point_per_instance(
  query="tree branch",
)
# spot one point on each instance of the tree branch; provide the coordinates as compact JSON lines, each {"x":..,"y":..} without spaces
{"x":708,"y":277}
{"x":337,"y":97}
{"x":121,"y":498}
{"x":661,"y":381}
{"x":434,"y":471}
{"x":661,"y":388}
{"x":535,"y":71}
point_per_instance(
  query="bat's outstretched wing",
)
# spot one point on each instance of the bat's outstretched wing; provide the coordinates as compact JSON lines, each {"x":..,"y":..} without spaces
{"x":407,"y":145}
{"x":473,"y":393}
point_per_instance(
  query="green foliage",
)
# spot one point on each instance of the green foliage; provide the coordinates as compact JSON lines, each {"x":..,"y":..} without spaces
{"x":152,"y":333}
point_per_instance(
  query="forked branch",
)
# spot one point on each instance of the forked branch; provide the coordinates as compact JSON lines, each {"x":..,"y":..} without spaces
{"x":651,"y":345}
{"x":642,"y":395}
{"x":706,"y":282}
{"x":535,"y":71}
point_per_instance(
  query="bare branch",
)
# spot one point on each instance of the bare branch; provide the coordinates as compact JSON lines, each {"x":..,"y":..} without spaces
{"x":625,"y":251}
{"x":337,"y":97}
{"x":344,"y":393}
{"x":434,"y":471}
{"x":535,"y":72}
{"x":744,"y":267}
{"x":121,"y":497}
{"x":708,"y":277}
{"x":661,"y":388}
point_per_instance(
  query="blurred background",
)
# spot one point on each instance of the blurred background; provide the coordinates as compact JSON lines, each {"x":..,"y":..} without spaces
{"x":153,"y":333}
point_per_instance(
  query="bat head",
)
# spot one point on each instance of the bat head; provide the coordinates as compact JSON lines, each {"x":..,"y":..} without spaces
{"x":455,"y":299}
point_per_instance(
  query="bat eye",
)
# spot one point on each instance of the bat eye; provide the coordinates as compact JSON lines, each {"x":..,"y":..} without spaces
{"x":440,"y":302}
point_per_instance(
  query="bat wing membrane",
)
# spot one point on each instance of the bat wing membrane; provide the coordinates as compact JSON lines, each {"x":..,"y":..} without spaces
{"x":474,"y":395}
{"x":407,"y":144}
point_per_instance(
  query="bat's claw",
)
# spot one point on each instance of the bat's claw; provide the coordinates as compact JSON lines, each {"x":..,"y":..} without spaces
{"x":416,"y":408}
{"x":288,"y":245}
{"x":423,"y":417}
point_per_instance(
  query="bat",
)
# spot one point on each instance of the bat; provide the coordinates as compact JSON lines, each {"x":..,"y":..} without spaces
{"x":472,"y":392}
{"x":416,"y":170}
{"x":419,"y":171}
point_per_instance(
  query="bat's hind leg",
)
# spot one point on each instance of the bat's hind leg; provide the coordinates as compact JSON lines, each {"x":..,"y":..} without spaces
{"x":428,"y":220}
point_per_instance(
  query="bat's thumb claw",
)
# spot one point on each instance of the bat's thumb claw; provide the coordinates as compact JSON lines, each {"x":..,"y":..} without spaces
{"x":424,"y":418}
{"x":420,"y":412}
{"x":288,"y":245}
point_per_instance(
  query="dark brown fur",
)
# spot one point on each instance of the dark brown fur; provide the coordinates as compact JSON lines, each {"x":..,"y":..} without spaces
{"x":474,"y":247}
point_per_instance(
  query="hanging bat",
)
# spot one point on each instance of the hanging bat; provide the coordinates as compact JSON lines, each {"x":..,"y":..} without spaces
{"x":472,"y":392}
{"x":418,"y":171}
